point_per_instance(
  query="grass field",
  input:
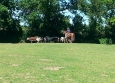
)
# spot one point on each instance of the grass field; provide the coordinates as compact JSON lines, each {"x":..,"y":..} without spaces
{"x":57,"y":63}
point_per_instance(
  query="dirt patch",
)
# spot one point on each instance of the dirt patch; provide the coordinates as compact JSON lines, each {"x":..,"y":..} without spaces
{"x":53,"y":68}
{"x":13,"y":55}
{"x":47,"y":60}
{"x":104,"y":75}
{"x":15,"y":65}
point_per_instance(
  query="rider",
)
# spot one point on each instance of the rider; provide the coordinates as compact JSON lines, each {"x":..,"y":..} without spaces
{"x":67,"y":32}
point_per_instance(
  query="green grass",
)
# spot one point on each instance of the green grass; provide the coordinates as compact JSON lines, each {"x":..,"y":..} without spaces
{"x":57,"y":63}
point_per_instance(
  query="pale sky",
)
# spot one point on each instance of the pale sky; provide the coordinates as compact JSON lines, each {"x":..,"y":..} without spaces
{"x":68,"y":13}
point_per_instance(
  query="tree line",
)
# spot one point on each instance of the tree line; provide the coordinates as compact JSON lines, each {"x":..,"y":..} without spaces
{"x":47,"y":18}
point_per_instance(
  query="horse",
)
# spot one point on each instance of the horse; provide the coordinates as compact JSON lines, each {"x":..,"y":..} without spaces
{"x":69,"y":37}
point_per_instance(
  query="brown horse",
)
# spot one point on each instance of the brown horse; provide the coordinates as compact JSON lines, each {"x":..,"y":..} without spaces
{"x":69,"y":37}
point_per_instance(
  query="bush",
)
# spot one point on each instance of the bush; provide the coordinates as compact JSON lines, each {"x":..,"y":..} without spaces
{"x":24,"y":36}
{"x":109,"y":41}
{"x":105,"y":41}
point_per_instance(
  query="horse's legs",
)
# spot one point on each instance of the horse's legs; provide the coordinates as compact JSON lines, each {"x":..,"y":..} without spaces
{"x":66,"y":40}
{"x":70,"y":41}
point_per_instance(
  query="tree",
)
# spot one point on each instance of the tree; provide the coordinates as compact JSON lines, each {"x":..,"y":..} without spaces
{"x":10,"y":27}
{"x":96,"y":10}
{"x":43,"y":17}
{"x":110,"y":18}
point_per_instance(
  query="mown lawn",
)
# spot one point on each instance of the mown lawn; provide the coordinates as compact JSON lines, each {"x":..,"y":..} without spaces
{"x":57,"y":63}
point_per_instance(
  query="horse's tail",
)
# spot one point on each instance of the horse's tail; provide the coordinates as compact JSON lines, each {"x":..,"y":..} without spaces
{"x":73,"y":38}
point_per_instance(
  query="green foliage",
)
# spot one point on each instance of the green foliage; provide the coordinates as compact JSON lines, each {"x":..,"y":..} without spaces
{"x":4,"y":15}
{"x":109,"y":41}
{"x":24,"y":34}
{"x":9,"y":24}
{"x":112,"y":20}
{"x":43,"y":16}
{"x":105,"y":41}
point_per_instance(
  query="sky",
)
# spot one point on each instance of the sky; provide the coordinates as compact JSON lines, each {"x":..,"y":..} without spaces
{"x":68,"y":13}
